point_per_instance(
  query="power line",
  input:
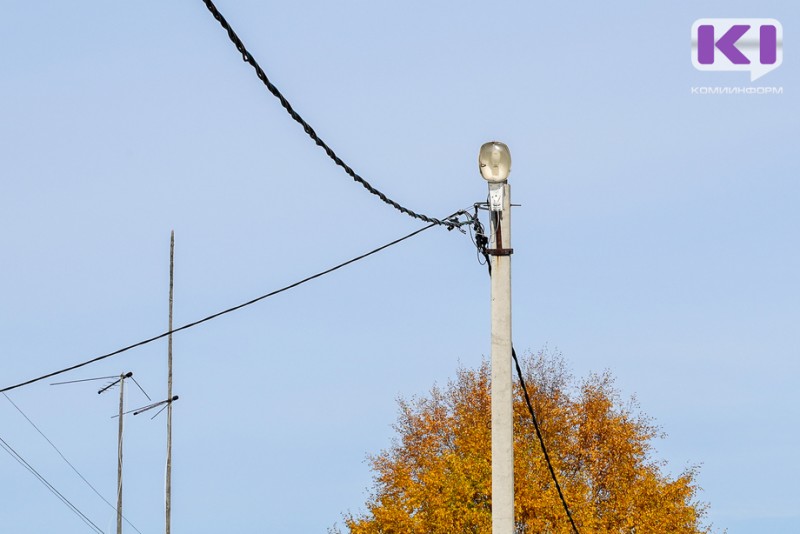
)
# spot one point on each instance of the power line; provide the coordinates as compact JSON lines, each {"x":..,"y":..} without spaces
{"x":248,"y":58}
{"x":481,"y":242}
{"x":14,"y":404}
{"x":14,"y":454}
{"x":224,"y":312}
{"x":541,"y":441}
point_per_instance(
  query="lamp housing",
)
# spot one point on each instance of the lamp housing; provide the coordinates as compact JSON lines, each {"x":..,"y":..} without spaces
{"x":494,"y":162}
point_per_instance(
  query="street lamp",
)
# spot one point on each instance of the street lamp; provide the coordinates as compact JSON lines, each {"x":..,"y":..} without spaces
{"x":494,"y":161}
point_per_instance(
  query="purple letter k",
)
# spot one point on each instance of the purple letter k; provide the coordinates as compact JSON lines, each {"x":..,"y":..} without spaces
{"x":726,"y":44}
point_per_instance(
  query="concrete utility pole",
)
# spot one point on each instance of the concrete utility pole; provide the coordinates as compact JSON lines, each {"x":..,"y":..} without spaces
{"x":495,"y":164}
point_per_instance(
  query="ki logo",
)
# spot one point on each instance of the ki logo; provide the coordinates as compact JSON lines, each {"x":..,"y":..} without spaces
{"x":754,"y":45}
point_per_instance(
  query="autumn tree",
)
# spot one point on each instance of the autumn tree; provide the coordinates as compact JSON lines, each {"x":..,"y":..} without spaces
{"x":436,"y":476}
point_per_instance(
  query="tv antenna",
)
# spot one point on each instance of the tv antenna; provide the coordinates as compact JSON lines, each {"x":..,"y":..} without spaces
{"x":121,"y":381}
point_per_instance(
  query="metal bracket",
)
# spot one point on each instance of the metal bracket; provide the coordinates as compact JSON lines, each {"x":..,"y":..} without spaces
{"x":496,"y":197}
{"x":500,"y":251}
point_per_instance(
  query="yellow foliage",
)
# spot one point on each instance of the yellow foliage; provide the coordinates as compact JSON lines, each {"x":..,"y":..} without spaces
{"x":436,"y":476}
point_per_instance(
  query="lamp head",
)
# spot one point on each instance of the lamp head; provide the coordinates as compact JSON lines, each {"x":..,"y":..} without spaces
{"x":494,"y":161}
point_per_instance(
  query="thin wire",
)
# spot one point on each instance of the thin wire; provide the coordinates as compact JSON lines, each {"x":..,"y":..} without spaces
{"x":161,"y":410}
{"x":67,"y":461}
{"x":141,"y":389}
{"x":83,"y":380}
{"x":14,"y":454}
{"x":248,"y":58}
{"x":218,"y":314}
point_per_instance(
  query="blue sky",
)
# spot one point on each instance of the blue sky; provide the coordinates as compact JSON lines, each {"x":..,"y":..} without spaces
{"x":657,"y":238}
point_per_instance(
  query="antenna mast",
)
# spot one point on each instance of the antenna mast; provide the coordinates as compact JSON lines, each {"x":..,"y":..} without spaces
{"x":168,"y":485}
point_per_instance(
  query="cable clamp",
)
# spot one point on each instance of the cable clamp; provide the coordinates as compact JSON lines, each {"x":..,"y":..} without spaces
{"x":500,"y":251}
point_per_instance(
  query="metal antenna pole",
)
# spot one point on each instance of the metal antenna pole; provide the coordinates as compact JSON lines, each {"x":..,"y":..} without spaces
{"x":119,"y":453}
{"x":168,"y":485}
{"x":121,"y":415}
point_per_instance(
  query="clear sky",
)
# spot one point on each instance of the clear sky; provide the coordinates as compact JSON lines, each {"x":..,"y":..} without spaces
{"x":657,"y":238}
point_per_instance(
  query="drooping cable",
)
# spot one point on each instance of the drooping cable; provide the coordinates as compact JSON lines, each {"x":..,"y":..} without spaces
{"x":75,"y":469}
{"x":226,"y":311}
{"x":248,"y":58}
{"x":481,"y":243}
{"x":14,"y":454}
{"x":541,"y":441}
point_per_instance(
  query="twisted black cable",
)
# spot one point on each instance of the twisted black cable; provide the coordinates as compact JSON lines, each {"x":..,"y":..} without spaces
{"x":224,"y":312}
{"x":248,"y":58}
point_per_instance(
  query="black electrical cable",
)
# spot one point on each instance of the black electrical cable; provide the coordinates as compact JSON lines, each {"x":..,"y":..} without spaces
{"x":541,"y":441}
{"x":481,"y":243}
{"x":248,"y":58}
{"x":223,"y":312}
{"x":14,"y":454}
{"x":53,"y":445}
